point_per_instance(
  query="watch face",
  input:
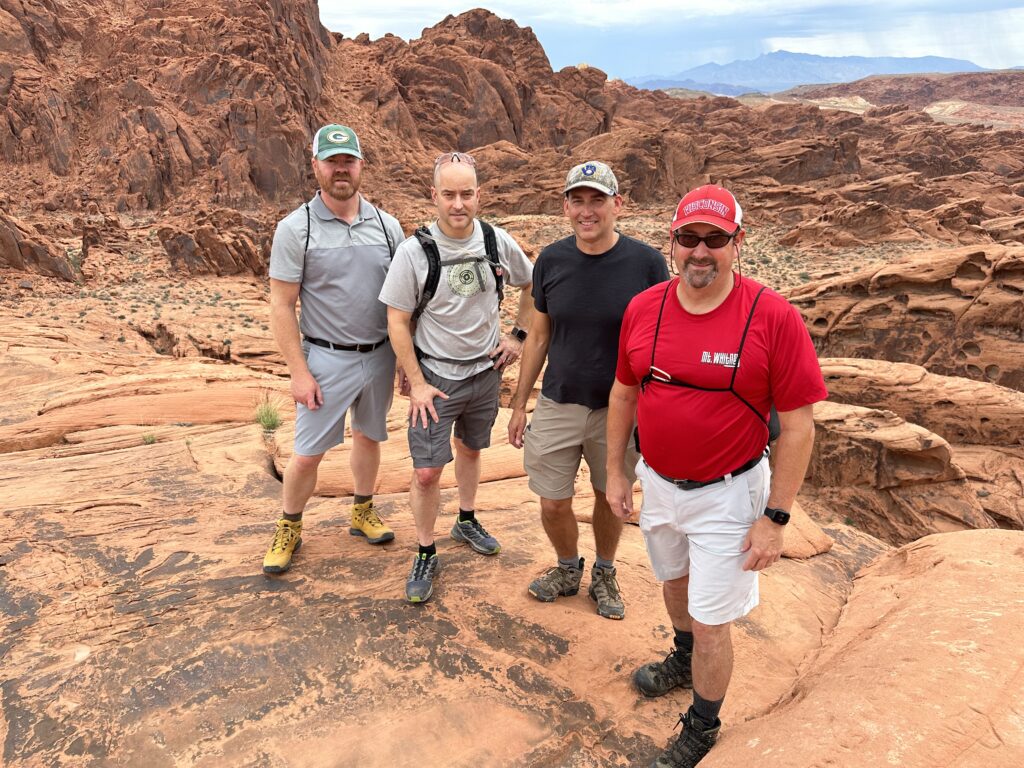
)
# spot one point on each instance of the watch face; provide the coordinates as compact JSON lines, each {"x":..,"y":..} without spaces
{"x":779,"y":516}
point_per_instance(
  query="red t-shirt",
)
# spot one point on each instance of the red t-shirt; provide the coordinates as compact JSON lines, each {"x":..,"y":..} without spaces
{"x":696,"y":435}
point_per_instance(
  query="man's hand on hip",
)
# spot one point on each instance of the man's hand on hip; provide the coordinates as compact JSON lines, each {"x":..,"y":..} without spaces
{"x":421,"y":403}
{"x":306,"y":391}
{"x":764,"y":544}
{"x":507,"y":351}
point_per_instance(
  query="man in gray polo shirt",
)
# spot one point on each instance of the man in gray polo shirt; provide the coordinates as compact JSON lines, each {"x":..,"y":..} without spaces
{"x":333,"y":253}
{"x":453,"y":367}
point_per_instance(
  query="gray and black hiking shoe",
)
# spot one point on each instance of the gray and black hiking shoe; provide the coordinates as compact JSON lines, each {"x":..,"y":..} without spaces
{"x":660,"y":677}
{"x":476,"y":536}
{"x":691,"y":745}
{"x":420,"y":585}
{"x":604,"y":590}
{"x":557,"y":582}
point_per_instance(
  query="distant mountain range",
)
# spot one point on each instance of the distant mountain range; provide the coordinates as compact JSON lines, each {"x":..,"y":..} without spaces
{"x":782,"y":70}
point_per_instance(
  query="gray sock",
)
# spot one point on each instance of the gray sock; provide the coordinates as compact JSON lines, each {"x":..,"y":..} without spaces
{"x":570,"y":562}
{"x":604,"y":565}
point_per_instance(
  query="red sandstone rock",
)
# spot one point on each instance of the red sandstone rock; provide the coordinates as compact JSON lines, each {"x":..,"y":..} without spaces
{"x":941,"y":611}
{"x":959,"y":410}
{"x":893,"y":479}
{"x":1003,"y":88}
{"x":21,"y":250}
{"x":189,"y":106}
{"x":957,"y":312}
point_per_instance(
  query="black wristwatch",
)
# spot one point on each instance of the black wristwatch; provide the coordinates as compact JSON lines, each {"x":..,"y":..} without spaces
{"x":518,"y":333}
{"x":776,"y":515}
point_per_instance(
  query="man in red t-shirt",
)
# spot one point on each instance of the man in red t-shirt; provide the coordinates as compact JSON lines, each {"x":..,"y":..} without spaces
{"x":702,"y":359}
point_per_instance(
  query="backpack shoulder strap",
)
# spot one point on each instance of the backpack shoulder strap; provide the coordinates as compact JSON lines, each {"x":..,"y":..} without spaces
{"x":426,"y":241}
{"x":491,"y":248}
{"x":306,"y":248}
{"x":387,"y":237}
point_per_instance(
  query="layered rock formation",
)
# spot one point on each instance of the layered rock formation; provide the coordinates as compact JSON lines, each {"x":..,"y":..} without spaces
{"x":957,"y":312}
{"x":1004,"y":88}
{"x":184,"y":109}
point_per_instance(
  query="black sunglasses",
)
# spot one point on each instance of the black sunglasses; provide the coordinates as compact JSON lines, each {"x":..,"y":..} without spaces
{"x":716,"y":240}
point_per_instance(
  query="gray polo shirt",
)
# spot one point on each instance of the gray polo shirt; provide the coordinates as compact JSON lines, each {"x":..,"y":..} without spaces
{"x":341,"y":272}
{"x":461,"y":321}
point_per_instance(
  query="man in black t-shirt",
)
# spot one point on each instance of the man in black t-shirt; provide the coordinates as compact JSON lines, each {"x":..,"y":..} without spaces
{"x":581,"y":286}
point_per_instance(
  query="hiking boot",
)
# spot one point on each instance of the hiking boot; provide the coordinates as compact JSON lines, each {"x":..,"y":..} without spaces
{"x":556,"y":582}
{"x":365,"y":522}
{"x":287,"y":540}
{"x":660,"y":677}
{"x":691,"y":745}
{"x":604,"y":590}
{"x":476,"y":536}
{"x":420,"y":585}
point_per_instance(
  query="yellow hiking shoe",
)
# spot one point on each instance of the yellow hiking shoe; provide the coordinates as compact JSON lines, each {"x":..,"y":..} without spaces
{"x":287,"y":540}
{"x":366,"y":523}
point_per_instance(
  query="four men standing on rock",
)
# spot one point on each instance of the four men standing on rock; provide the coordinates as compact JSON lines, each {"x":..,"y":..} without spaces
{"x":699,"y":362}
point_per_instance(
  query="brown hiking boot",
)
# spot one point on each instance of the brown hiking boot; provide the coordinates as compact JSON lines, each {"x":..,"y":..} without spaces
{"x":604,"y":590}
{"x":557,"y":582}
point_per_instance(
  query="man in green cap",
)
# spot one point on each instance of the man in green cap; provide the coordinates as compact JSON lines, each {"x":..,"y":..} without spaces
{"x":333,"y":253}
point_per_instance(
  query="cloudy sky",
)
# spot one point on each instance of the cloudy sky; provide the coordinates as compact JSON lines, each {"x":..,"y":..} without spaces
{"x":640,"y":37}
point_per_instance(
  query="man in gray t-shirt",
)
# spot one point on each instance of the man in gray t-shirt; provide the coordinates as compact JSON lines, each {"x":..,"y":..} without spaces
{"x":452,"y":368}
{"x":333,"y":253}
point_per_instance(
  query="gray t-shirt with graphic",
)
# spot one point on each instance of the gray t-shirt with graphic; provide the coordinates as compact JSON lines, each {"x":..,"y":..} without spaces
{"x":461,"y":321}
{"x":341,"y":272}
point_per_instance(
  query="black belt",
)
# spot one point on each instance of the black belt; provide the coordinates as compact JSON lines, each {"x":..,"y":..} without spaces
{"x":345,"y":347}
{"x":692,"y":485}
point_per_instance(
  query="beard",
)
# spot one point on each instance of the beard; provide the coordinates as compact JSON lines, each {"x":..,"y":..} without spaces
{"x":327,"y":185}
{"x":696,"y":279}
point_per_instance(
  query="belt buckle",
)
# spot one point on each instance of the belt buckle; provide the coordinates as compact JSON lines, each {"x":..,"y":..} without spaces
{"x":689,"y":485}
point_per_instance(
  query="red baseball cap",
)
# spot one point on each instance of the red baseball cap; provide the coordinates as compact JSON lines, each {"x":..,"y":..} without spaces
{"x":710,"y":205}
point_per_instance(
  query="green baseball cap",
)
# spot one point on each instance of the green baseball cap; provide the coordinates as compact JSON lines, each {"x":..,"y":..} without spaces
{"x":336,"y":140}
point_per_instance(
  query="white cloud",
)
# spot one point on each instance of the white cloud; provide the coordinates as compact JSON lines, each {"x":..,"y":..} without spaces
{"x":407,"y":18}
{"x":619,"y":36}
{"x":989,"y":39}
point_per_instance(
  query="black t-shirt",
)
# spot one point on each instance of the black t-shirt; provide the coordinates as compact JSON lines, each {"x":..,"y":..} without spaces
{"x":585,"y":297}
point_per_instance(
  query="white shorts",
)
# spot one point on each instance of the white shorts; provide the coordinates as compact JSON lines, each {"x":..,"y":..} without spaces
{"x":701,"y":533}
{"x":361,"y":381}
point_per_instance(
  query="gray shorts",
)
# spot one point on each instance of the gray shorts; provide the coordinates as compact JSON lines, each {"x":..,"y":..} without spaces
{"x":362,"y":382}
{"x":559,"y":435}
{"x":472,"y":406}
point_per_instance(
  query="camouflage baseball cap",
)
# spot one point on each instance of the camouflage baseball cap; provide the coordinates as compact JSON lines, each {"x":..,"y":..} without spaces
{"x":336,"y":140}
{"x":593,"y":174}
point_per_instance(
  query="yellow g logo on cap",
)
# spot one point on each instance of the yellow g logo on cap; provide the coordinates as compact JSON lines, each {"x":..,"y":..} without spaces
{"x":337,"y":137}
